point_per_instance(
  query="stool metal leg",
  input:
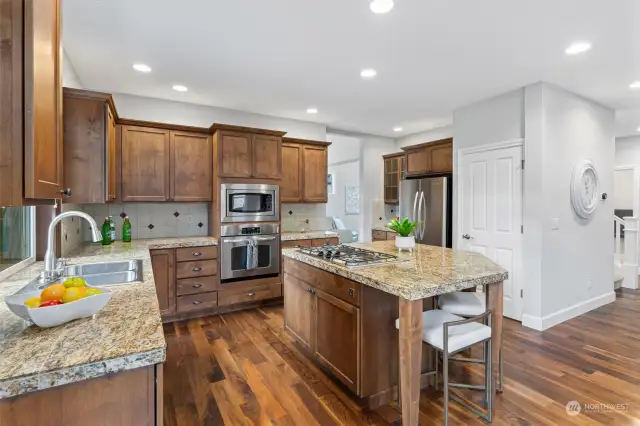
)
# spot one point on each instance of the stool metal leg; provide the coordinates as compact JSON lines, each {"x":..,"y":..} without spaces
{"x":445,"y":375}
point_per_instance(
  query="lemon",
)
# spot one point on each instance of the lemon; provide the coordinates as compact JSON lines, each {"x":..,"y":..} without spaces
{"x":75,"y":282}
{"x":74,"y":293}
{"x":93,"y":291}
{"x":32,"y":303}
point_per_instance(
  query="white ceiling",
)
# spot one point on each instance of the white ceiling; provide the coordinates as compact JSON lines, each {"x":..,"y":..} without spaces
{"x":279,"y":57}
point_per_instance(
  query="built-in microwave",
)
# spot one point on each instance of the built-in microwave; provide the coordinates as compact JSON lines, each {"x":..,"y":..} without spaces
{"x":249,"y":202}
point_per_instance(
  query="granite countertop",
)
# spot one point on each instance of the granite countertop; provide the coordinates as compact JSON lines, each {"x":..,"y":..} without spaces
{"x":382,"y":228}
{"x":308,"y":235}
{"x":428,"y":271}
{"x":125,"y":335}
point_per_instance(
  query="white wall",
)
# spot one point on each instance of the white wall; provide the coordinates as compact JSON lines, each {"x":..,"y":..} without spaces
{"x":160,"y":110}
{"x":69,"y":76}
{"x":344,"y":164}
{"x":628,"y":151}
{"x":623,"y":189}
{"x":426,"y":136}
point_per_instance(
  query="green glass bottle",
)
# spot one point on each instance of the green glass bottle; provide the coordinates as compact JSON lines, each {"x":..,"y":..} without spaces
{"x":126,"y":230}
{"x":106,"y":232}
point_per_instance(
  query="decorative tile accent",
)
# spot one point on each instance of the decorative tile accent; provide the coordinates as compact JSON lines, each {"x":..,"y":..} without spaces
{"x":123,"y":215}
{"x":176,"y":214}
{"x":290,"y":212}
{"x":151,"y":226}
{"x":380,"y":218}
{"x":200,"y":225}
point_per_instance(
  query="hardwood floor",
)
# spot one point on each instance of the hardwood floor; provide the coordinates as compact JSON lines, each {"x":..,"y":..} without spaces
{"x":243,"y":369}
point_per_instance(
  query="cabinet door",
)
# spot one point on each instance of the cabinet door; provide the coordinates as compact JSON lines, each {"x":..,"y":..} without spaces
{"x":145,"y":164}
{"x":266,"y":157}
{"x":291,"y":188}
{"x":418,"y":162}
{"x":298,"y":313}
{"x":337,"y":338}
{"x":441,"y":158}
{"x":163,"y":265}
{"x":43,"y":175}
{"x":314,"y":169}
{"x":191,"y":167}
{"x":391,"y":180}
{"x":235,"y":154}
{"x":112,"y":180}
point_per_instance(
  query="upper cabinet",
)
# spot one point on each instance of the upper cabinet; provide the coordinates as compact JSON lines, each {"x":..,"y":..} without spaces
{"x":248,"y":153}
{"x":429,"y":158}
{"x":393,"y":172}
{"x":89,"y":146}
{"x":158,"y":164}
{"x":305,"y":164}
{"x":30,"y":102}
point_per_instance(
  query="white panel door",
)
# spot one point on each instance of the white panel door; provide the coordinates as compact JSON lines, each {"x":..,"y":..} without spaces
{"x":491,"y":209}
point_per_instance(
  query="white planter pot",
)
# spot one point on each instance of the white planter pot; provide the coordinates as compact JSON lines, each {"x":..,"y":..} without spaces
{"x":405,"y":243}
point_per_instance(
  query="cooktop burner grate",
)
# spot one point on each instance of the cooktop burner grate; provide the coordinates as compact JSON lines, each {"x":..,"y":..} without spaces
{"x":348,"y":256}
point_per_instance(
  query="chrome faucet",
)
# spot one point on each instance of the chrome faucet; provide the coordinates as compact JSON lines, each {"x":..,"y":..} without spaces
{"x":50,"y":263}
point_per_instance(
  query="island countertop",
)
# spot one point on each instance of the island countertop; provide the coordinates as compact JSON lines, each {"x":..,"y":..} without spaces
{"x":125,"y":335}
{"x":428,"y":271}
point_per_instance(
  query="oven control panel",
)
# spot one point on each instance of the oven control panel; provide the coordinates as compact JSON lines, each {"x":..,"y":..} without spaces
{"x":250,"y":230}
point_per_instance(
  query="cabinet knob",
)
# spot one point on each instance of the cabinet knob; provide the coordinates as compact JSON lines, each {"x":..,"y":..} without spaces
{"x":196,"y":285}
{"x":251,"y":294}
{"x":196,"y":302}
{"x":66,"y":192}
{"x":197,"y":269}
{"x":196,"y":253}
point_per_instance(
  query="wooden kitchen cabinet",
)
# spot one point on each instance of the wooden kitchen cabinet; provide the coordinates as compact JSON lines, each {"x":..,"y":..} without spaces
{"x":429,"y":158}
{"x":89,"y":146}
{"x":299,"y":319}
{"x":248,"y":153}
{"x":191,"y":167}
{"x":31,"y":99}
{"x":145,"y":156}
{"x":291,"y":186}
{"x":314,"y":173}
{"x":380,"y":235}
{"x":337,"y":328}
{"x":393,"y":171}
{"x":163,"y":264}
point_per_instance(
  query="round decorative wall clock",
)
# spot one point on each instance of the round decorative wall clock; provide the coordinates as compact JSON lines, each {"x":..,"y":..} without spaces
{"x":584,"y":189}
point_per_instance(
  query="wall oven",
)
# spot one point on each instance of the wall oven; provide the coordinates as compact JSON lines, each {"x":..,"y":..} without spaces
{"x":249,"y":251}
{"x":249,"y":202}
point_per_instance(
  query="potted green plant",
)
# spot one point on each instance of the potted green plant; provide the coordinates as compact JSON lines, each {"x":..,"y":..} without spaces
{"x":404,"y":228}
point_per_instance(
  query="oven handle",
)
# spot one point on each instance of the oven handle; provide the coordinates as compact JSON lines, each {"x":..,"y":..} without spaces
{"x":236,"y":240}
{"x":271,"y":238}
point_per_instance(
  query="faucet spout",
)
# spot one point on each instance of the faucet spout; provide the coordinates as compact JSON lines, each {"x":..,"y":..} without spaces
{"x":50,"y":255}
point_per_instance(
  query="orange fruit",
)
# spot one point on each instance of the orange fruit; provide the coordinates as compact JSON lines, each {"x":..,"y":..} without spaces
{"x":74,"y":293}
{"x":53,"y":292}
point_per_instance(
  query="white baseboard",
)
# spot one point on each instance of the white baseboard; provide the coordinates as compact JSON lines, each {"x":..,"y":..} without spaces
{"x":544,"y":323}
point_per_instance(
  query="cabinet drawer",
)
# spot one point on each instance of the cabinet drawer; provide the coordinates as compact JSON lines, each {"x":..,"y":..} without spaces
{"x":391,"y":235}
{"x":248,"y":294}
{"x":379,"y":235}
{"x":294,"y":243}
{"x":197,"y":285}
{"x":198,"y":268}
{"x":197,"y":302}
{"x":196,"y":253}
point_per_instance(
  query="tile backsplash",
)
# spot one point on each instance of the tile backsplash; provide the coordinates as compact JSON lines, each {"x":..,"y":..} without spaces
{"x":382,"y":213}
{"x":153,"y":220}
{"x":294,"y":217}
{"x":72,"y":229}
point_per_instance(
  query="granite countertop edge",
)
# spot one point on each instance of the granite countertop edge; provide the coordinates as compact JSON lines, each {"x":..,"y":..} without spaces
{"x":308,"y":235}
{"x":152,"y":347}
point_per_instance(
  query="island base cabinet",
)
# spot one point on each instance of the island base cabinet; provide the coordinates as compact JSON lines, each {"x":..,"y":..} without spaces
{"x":126,"y":398}
{"x":298,"y":318}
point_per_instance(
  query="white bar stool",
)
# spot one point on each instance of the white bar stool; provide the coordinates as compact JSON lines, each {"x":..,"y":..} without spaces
{"x":450,"y":334}
{"x":469,"y":304}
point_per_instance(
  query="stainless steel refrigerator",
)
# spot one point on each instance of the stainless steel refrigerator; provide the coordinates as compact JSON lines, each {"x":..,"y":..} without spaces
{"x":428,"y":201}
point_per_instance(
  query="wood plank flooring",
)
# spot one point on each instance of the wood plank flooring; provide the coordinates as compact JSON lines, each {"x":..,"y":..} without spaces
{"x":243,"y":369}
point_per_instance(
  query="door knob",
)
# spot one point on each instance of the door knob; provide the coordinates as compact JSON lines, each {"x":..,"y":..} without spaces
{"x":467,"y":236}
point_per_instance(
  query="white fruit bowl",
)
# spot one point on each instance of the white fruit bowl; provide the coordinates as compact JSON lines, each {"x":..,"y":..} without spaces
{"x":52,"y":316}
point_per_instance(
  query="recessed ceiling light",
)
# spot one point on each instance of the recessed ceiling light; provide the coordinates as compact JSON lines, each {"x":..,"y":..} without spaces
{"x":577,"y":48}
{"x":397,"y":129}
{"x":179,"y":88}
{"x":368,"y":73}
{"x":142,"y":67}
{"x":635,"y":85}
{"x":381,"y":6}
{"x":638,"y":129}
{"x":312,"y":110}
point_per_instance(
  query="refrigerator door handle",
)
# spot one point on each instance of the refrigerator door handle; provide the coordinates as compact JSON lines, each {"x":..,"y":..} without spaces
{"x":421,"y":223}
{"x":415,"y":204}
{"x":424,"y":217}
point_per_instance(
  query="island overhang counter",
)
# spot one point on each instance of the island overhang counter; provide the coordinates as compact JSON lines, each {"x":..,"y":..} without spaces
{"x":345,"y":317}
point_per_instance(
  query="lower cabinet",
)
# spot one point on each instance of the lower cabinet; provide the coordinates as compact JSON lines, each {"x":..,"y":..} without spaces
{"x":163,"y":264}
{"x":298,"y":317}
{"x":378,"y":235}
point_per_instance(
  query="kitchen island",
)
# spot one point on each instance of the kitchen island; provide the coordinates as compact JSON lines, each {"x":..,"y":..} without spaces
{"x":103,"y":370}
{"x":344,"y":318}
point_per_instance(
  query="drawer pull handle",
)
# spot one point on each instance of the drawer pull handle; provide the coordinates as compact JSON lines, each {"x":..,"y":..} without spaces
{"x":196,"y":253}
{"x":196,"y":285}
{"x":197,"y":269}
{"x":310,"y":290}
{"x":196,"y":302}
{"x":251,"y":294}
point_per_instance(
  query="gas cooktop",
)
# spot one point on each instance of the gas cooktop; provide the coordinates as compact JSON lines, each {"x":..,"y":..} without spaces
{"x":348,"y":256}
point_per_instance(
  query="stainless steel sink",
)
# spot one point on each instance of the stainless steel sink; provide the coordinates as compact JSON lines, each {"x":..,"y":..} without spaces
{"x":100,"y":274}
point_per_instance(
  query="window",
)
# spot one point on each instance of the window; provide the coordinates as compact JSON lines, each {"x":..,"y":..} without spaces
{"x":17,"y":239}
